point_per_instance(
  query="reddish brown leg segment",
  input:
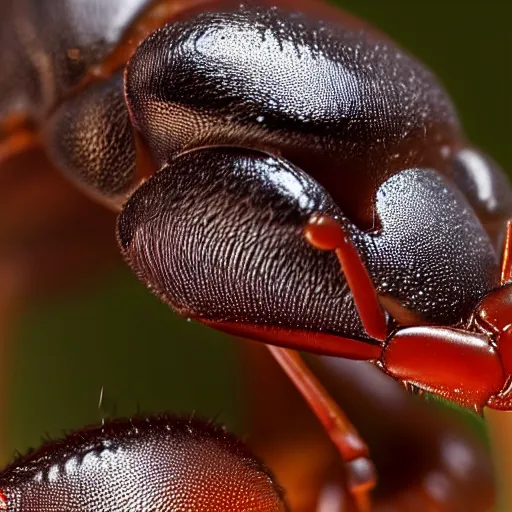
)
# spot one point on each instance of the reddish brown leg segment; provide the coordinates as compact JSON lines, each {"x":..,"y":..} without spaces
{"x":326,"y":233}
{"x":360,"y":470}
{"x":506,"y":261}
{"x":458,"y":365}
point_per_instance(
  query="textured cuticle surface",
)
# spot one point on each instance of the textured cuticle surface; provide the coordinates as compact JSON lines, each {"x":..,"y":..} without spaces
{"x":159,"y":463}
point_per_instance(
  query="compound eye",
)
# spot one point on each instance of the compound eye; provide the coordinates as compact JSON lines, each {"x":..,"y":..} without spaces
{"x":219,"y":235}
{"x":159,"y":463}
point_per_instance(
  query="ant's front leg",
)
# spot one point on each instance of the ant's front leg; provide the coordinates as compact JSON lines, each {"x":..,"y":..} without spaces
{"x":361,"y":477}
{"x":218,"y":235}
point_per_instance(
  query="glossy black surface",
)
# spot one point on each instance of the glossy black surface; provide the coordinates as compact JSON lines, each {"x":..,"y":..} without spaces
{"x":326,"y":91}
{"x":219,"y":235}
{"x":486,"y":187}
{"x":346,"y":106}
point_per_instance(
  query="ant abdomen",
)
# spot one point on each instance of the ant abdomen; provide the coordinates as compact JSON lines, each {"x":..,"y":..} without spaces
{"x":163,"y":463}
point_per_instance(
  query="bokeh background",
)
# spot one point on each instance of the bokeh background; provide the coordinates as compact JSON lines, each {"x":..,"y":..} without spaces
{"x":112,"y":336}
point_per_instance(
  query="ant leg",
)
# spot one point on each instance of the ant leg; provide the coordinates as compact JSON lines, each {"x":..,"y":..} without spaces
{"x":506,"y":261}
{"x":353,"y":450}
{"x":326,"y":233}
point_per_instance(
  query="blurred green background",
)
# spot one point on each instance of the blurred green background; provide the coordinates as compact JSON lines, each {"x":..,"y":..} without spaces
{"x":115,"y":336}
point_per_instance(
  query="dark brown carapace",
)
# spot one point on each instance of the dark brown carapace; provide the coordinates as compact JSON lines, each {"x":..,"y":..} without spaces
{"x":284,"y":173}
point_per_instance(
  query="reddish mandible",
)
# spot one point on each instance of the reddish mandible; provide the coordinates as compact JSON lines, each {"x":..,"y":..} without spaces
{"x":288,"y":142}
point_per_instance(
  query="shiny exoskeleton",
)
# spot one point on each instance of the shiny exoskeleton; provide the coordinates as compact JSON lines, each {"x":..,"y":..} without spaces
{"x":143,"y":464}
{"x":250,"y":149}
{"x":254,"y":148}
{"x":426,"y":459}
